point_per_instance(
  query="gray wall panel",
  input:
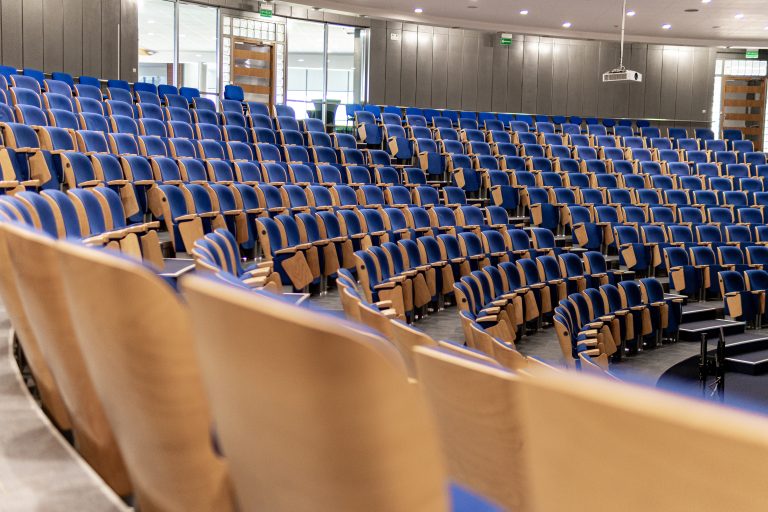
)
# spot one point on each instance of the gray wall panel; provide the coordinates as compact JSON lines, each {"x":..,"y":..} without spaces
{"x":53,"y":35}
{"x":515,"y":77}
{"x":607,"y":59}
{"x":485,"y":74}
{"x":700,"y":98}
{"x":639,"y":54}
{"x":32,"y":33}
{"x":408,"y":68}
{"x":440,"y":71}
{"x":453,"y":90}
{"x":92,"y":37}
{"x":560,"y":77}
{"x":11,"y":33}
{"x":129,"y":41}
{"x":110,"y":19}
{"x":669,"y":68}
{"x":424,"y":70}
{"x":499,"y":82}
{"x":530,"y":75}
{"x":470,"y":49}
{"x":684,"y":91}
{"x":575,"y":79}
{"x":590,"y":79}
{"x":73,"y":37}
{"x":377,"y":78}
{"x":394,"y":61}
{"x":544,"y":77}
{"x":653,"y":82}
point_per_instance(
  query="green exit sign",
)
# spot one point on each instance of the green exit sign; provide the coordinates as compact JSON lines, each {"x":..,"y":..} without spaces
{"x":752,"y":54}
{"x":505,"y":40}
{"x":265,"y":13}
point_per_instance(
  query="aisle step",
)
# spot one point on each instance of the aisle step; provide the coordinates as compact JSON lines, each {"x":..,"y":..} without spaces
{"x":698,"y":311}
{"x":752,"y":363}
{"x":692,"y":331}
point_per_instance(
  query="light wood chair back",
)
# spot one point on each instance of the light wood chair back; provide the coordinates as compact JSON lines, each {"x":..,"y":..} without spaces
{"x":50,"y":396}
{"x":715,"y":456}
{"x":406,"y":337}
{"x":39,"y":276}
{"x":135,"y":335}
{"x":478,"y":413}
{"x":313,"y":413}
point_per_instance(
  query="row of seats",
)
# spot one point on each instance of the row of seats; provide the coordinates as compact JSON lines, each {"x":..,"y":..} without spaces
{"x":456,"y":117}
{"x":520,"y":129}
{"x":198,"y":345}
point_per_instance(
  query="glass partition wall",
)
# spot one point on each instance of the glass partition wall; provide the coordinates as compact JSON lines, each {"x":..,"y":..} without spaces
{"x":157,"y":44}
{"x":178,"y":44}
{"x":326,"y":69}
{"x":315,"y":67}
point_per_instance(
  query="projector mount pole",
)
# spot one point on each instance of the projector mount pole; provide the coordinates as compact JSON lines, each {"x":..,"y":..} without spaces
{"x":623,"y":21}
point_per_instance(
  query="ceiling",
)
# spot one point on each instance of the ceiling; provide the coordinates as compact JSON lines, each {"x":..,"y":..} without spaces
{"x":715,"y":23}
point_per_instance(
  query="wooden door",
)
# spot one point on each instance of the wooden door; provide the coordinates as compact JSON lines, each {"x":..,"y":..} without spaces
{"x":253,"y":69}
{"x":743,"y":107}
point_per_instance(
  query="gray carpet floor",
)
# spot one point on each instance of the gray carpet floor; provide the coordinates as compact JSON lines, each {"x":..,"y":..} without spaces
{"x":39,"y":471}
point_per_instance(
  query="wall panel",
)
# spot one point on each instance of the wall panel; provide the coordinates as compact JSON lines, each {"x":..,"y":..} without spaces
{"x":129,"y":40}
{"x":684,"y":90}
{"x":453,"y":77}
{"x":11,"y":33}
{"x":575,"y":79}
{"x":470,"y":50}
{"x":637,"y":60}
{"x":377,"y":73}
{"x":32,"y":33}
{"x":440,"y":71}
{"x":669,"y":69}
{"x":499,"y":80}
{"x":544,"y":77}
{"x":53,"y":35}
{"x":424,"y":69}
{"x":394,"y":66}
{"x":560,"y":77}
{"x":485,"y":74}
{"x":408,"y":68}
{"x":515,"y":76}
{"x":530,"y":75}
{"x":92,"y":37}
{"x":73,"y":37}
{"x":590,"y":80}
{"x":653,"y":82}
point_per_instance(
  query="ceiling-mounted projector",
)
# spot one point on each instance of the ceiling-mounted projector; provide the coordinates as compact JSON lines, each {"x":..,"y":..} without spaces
{"x":622,"y":75}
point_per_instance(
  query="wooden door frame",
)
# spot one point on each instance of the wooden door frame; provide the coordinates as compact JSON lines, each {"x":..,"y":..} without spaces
{"x":761,"y":105}
{"x":272,"y":71}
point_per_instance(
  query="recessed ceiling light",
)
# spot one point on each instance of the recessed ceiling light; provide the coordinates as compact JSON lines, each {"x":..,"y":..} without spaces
{"x":418,"y":10}
{"x":524,"y":12}
{"x":567,"y":24}
{"x":198,"y":55}
{"x":631,"y":13}
{"x":666,"y":26}
{"x":739,"y":16}
{"x":299,"y":60}
{"x":705,"y":1}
